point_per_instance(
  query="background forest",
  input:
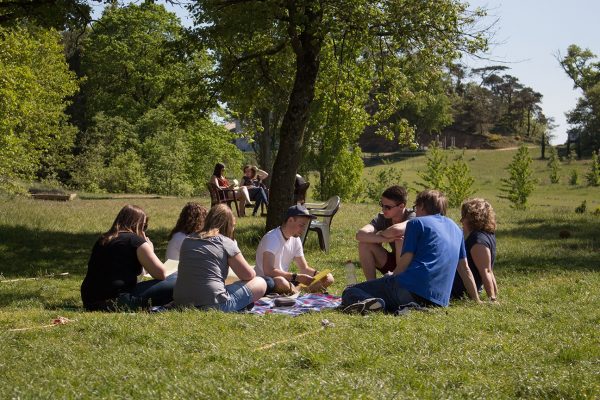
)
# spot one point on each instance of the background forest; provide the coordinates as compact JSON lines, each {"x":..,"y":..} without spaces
{"x":136,"y":102}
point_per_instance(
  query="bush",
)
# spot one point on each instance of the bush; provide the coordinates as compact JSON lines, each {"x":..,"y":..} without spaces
{"x":582,"y":207}
{"x":520,"y":184}
{"x":379,"y":180}
{"x":593,"y":175}
{"x":574,"y":178}
{"x":553,"y":165}
{"x":459,"y":182}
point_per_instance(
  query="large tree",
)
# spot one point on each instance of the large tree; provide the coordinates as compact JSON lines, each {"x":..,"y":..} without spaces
{"x":243,"y":30}
{"x":583,"y":68}
{"x":34,"y":84}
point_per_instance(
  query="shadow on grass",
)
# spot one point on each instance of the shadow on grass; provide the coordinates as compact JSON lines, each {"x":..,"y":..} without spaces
{"x":555,"y":245}
{"x":378,"y":159}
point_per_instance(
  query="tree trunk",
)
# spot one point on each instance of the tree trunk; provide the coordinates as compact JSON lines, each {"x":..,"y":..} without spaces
{"x":265,"y":151}
{"x":307,"y":48}
{"x":543,"y":146}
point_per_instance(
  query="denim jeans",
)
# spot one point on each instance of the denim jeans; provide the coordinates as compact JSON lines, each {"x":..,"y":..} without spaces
{"x":259,"y":196}
{"x":153,"y":292}
{"x":387,"y":288}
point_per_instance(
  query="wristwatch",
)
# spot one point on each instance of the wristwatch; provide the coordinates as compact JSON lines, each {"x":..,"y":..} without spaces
{"x":294,"y":281}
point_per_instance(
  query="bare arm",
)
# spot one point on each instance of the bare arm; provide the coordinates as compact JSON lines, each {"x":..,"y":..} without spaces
{"x":240,"y":266}
{"x":468,"y":280}
{"x":482,"y":258}
{"x":150,"y":262}
{"x":306,"y":273}
{"x":269,"y":267}
{"x":402,"y":262}
{"x":395,"y":231}
{"x":215,"y":181}
{"x":367,"y":234}
{"x":262,"y":175}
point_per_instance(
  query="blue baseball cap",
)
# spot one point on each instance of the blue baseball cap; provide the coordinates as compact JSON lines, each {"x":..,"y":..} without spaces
{"x":298,"y":211}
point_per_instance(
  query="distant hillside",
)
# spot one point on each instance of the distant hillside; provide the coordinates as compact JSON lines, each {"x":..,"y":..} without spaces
{"x":373,"y":143}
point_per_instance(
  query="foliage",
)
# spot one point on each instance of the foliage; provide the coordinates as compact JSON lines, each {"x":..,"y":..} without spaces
{"x":553,"y":165}
{"x":248,"y":31}
{"x":35,"y":136}
{"x":593,"y":174}
{"x":126,"y":174}
{"x":378,"y":180}
{"x":459,"y":182}
{"x":520,"y":184}
{"x":135,"y":59}
{"x":582,"y":66}
{"x":574,"y":178}
{"x":582,"y":208}
{"x":435,"y":171}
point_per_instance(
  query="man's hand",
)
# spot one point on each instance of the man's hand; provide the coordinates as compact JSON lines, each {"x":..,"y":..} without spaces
{"x":305,"y":279}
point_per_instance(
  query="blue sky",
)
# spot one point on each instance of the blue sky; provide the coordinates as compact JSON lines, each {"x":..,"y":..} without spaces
{"x":528,"y":36}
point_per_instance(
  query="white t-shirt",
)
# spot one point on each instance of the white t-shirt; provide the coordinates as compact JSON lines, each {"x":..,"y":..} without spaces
{"x":284,"y":250}
{"x":174,"y":246}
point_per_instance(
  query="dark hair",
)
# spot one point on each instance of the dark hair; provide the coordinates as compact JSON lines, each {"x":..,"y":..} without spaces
{"x":433,"y":201}
{"x":191,"y":219}
{"x":396,"y":193}
{"x":253,"y":168}
{"x":219,"y":167}
{"x":130,"y":219}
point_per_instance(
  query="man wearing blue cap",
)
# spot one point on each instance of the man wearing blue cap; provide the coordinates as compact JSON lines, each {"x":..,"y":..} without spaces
{"x":282,"y":245}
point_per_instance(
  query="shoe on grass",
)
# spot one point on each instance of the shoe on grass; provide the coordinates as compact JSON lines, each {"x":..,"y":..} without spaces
{"x":366,"y":306}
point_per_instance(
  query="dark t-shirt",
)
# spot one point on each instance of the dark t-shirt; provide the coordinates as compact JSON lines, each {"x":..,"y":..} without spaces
{"x":112,"y":269}
{"x":475,"y":237}
{"x":380,"y":223}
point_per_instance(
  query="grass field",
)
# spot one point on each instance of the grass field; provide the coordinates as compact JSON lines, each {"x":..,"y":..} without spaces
{"x":541,"y":341}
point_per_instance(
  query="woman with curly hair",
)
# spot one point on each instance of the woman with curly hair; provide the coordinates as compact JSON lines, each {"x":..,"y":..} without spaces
{"x":118,"y":258}
{"x":479,"y":227}
{"x":191,"y":220}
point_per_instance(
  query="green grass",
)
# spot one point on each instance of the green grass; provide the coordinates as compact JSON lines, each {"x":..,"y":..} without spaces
{"x":541,"y":341}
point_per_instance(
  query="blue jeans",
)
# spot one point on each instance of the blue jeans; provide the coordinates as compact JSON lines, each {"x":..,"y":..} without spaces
{"x":387,"y":288}
{"x":153,"y":292}
{"x":259,"y":196}
{"x":239,"y":297}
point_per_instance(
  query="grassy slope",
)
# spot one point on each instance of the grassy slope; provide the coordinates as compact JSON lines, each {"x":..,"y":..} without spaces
{"x":540,"y":342}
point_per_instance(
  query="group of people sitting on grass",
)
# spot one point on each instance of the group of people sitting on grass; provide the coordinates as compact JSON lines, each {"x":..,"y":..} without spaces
{"x":428,"y":262}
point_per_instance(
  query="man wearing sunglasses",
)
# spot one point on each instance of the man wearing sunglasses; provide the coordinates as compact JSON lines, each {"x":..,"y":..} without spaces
{"x":387,"y":227}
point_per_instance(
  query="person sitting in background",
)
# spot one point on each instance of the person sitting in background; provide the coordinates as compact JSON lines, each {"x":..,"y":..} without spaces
{"x":433,"y":249}
{"x":204,"y":263}
{"x":252,"y":180}
{"x":118,"y":257}
{"x":479,"y":227}
{"x":282,"y":245}
{"x":387,"y":227}
{"x":191,"y":220}
{"x":241,"y":193}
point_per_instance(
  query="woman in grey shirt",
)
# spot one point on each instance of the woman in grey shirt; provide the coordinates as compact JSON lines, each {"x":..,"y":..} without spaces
{"x":204,"y":263}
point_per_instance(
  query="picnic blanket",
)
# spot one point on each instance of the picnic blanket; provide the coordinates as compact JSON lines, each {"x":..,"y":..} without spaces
{"x":304,"y":303}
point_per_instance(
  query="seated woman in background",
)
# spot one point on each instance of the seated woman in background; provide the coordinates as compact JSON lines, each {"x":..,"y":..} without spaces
{"x":118,"y":257}
{"x":204,"y":263}
{"x":191,"y":220}
{"x":252,"y":180}
{"x":479,"y":227}
{"x":241,"y":193}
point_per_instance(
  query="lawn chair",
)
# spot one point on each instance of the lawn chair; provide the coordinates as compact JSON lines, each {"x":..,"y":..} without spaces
{"x":300,"y":193}
{"x":322,"y":225}
{"x":222,"y":196}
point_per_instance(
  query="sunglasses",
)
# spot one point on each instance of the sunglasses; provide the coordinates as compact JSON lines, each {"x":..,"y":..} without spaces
{"x":386,"y":207}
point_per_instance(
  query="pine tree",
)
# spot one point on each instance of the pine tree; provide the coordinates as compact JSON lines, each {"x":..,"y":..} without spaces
{"x":459,"y":182}
{"x":434,"y":174}
{"x":520,"y":184}
{"x":554,"y":165}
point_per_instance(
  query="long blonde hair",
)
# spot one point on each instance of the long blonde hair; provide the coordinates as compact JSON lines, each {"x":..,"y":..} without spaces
{"x":130,"y":219}
{"x":220,"y":219}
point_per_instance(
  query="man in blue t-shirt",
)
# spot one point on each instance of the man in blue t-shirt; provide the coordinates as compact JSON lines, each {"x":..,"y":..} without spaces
{"x":433,"y":249}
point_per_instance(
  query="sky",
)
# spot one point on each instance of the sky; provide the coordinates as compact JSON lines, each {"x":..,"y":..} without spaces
{"x":528,"y":37}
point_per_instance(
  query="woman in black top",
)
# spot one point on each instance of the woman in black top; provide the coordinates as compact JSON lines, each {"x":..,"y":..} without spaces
{"x":252,"y":179}
{"x":479,"y":227}
{"x":118,"y":258}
